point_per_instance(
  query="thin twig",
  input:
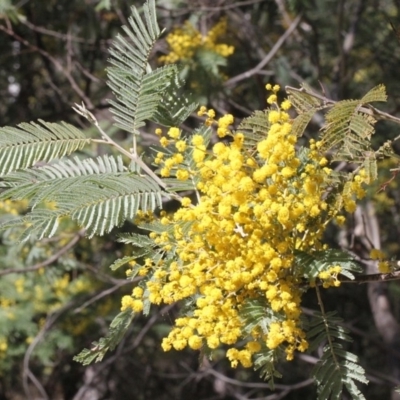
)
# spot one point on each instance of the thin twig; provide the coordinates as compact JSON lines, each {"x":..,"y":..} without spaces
{"x":82,"y":110}
{"x":235,"y":4}
{"x":237,"y":382}
{"x":367,"y":278}
{"x":100,"y":295}
{"x":58,"y":65}
{"x":47,"y":262}
{"x":328,"y":335}
{"x":27,"y":373}
{"x":371,"y":374}
{"x":268,"y":57}
{"x":367,"y":109}
{"x":121,"y":348}
{"x":58,"y":35}
{"x":139,"y":337}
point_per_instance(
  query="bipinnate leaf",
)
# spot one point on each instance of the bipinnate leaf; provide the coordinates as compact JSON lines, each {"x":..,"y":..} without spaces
{"x":118,"y":328}
{"x":30,"y":143}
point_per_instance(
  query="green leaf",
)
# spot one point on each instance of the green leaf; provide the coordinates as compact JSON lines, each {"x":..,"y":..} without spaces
{"x":371,"y":168}
{"x":97,"y":202}
{"x":28,"y":144}
{"x":264,"y":362}
{"x":118,"y":328}
{"x":138,"y":90}
{"x":353,"y":389}
{"x":174,"y":107}
{"x":349,"y":128}
{"x":121,"y":261}
{"x":256,"y":313}
{"x":103,"y":5}
{"x":302,"y":100}
{"x":135,"y":239}
{"x":209,"y":61}
{"x":10,"y":11}
{"x":378,"y":93}
{"x":337,"y":367}
{"x":254,"y":128}
{"x":301,"y":121}
{"x":306,"y":106}
{"x":310,"y":265}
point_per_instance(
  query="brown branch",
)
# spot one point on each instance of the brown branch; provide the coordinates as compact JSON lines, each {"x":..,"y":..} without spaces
{"x":371,"y":374}
{"x":27,"y":374}
{"x":95,"y":375}
{"x":191,"y":8}
{"x":47,"y":262}
{"x":58,"y":35}
{"x":56,"y":63}
{"x":102,"y":294}
{"x":368,"y":109}
{"x":367,"y":278}
{"x":346,"y":43}
{"x":257,"y":69}
{"x":258,"y":385}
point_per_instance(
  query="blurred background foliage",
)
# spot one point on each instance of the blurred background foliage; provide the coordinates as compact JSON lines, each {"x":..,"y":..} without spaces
{"x":58,"y":295}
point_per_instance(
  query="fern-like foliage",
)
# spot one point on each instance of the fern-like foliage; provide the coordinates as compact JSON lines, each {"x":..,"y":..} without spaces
{"x":371,"y":167}
{"x":210,"y":61}
{"x":69,"y":168}
{"x":310,"y":265}
{"x":255,"y":128}
{"x":348,"y":129}
{"x":28,"y":144}
{"x":10,"y":11}
{"x":305,"y":105}
{"x":145,"y":245}
{"x":255,"y":313}
{"x":118,"y":328}
{"x":349,"y":126}
{"x":174,"y":107}
{"x":97,"y":195}
{"x":138,"y":89}
{"x":135,"y":239}
{"x":264,"y":363}
{"x":337,"y":367}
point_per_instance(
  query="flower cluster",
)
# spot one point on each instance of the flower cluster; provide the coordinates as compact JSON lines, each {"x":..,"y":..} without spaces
{"x":185,"y":41}
{"x":212,"y":37}
{"x":383,"y":264}
{"x":330,"y":276}
{"x":3,"y":347}
{"x":13,"y":207}
{"x":256,"y":206}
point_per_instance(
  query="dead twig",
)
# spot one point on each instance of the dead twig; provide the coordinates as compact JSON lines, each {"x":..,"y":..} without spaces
{"x":258,"y":68}
{"x":47,"y":262}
